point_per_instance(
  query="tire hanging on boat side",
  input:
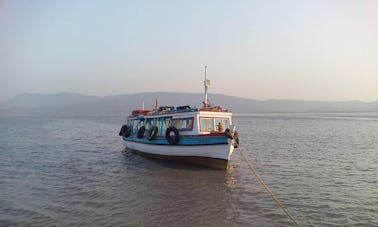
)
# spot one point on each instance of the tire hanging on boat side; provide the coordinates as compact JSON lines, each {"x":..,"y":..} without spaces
{"x":153,"y":132}
{"x":236,"y":139}
{"x":127,"y":132}
{"x":234,"y":136}
{"x":228,"y":133}
{"x":141,"y":132}
{"x":172,"y":139}
{"x":122,"y":131}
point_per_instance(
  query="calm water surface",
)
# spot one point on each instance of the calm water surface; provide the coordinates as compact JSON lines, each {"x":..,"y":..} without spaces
{"x":70,"y":171}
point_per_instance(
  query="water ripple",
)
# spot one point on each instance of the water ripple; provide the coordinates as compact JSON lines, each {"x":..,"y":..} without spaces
{"x":70,"y":171}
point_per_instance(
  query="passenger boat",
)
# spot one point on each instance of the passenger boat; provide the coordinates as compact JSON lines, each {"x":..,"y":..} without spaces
{"x":205,"y":136}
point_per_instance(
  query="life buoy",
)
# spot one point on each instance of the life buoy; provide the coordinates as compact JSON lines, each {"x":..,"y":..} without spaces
{"x":172,"y":139}
{"x":141,"y":132}
{"x":153,"y":132}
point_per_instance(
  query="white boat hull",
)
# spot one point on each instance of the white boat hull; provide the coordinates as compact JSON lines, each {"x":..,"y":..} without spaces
{"x":217,"y":151}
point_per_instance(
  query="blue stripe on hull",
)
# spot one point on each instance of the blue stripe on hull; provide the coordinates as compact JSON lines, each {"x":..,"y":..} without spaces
{"x":184,"y":140}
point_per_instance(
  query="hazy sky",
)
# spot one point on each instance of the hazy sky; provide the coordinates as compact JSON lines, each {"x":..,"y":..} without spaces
{"x":280,"y":49}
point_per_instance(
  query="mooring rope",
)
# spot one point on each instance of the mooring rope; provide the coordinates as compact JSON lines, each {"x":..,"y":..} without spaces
{"x":270,"y":191}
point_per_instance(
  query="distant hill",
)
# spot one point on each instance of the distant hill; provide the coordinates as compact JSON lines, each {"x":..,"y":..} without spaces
{"x":69,"y":103}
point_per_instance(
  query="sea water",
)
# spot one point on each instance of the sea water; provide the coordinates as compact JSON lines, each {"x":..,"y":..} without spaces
{"x":71,"y":171}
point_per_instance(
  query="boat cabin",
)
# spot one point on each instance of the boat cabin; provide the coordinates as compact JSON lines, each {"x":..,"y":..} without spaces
{"x":187,"y":120}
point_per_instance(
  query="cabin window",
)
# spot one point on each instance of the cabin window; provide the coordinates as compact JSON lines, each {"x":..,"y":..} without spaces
{"x":149,"y":123}
{"x":136,"y":123}
{"x":214,"y":124}
{"x":221,"y":124}
{"x":164,"y":124}
{"x":183,"y":124}
{"x":130,"y":123}
{"x":207,"y":124}
{"x":133,"y":123}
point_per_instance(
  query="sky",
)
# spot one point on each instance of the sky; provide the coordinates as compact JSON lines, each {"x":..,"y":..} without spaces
{"x":271,"y":49}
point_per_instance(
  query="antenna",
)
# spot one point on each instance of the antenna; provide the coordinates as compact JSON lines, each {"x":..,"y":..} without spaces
{"x":206,"y":83}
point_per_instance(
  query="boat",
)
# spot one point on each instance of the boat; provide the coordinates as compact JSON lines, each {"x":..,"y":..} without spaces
{"x":204,"y":136}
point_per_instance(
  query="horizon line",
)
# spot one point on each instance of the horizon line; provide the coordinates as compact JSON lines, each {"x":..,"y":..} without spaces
{"x":195,"y":93}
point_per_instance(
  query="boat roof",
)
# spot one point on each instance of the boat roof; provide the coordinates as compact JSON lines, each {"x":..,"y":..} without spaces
{"x":164,"y":110}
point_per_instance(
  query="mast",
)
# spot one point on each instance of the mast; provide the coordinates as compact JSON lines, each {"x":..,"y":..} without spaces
{"x":156,"y":104}
{"x":206,"y":83}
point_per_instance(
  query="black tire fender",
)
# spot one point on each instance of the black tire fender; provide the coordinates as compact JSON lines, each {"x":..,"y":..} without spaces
{"x":228,"y":134}
{"x":122,"y":131}
{"x":141,"y":132}
{"x":172,"y":139}
{"x":153,"y":132}
{"x":127,"y":132}
{"x":236,"y":139}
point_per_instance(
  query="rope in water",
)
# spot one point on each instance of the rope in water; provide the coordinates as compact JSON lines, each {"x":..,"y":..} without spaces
{"x":270,"y":191}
